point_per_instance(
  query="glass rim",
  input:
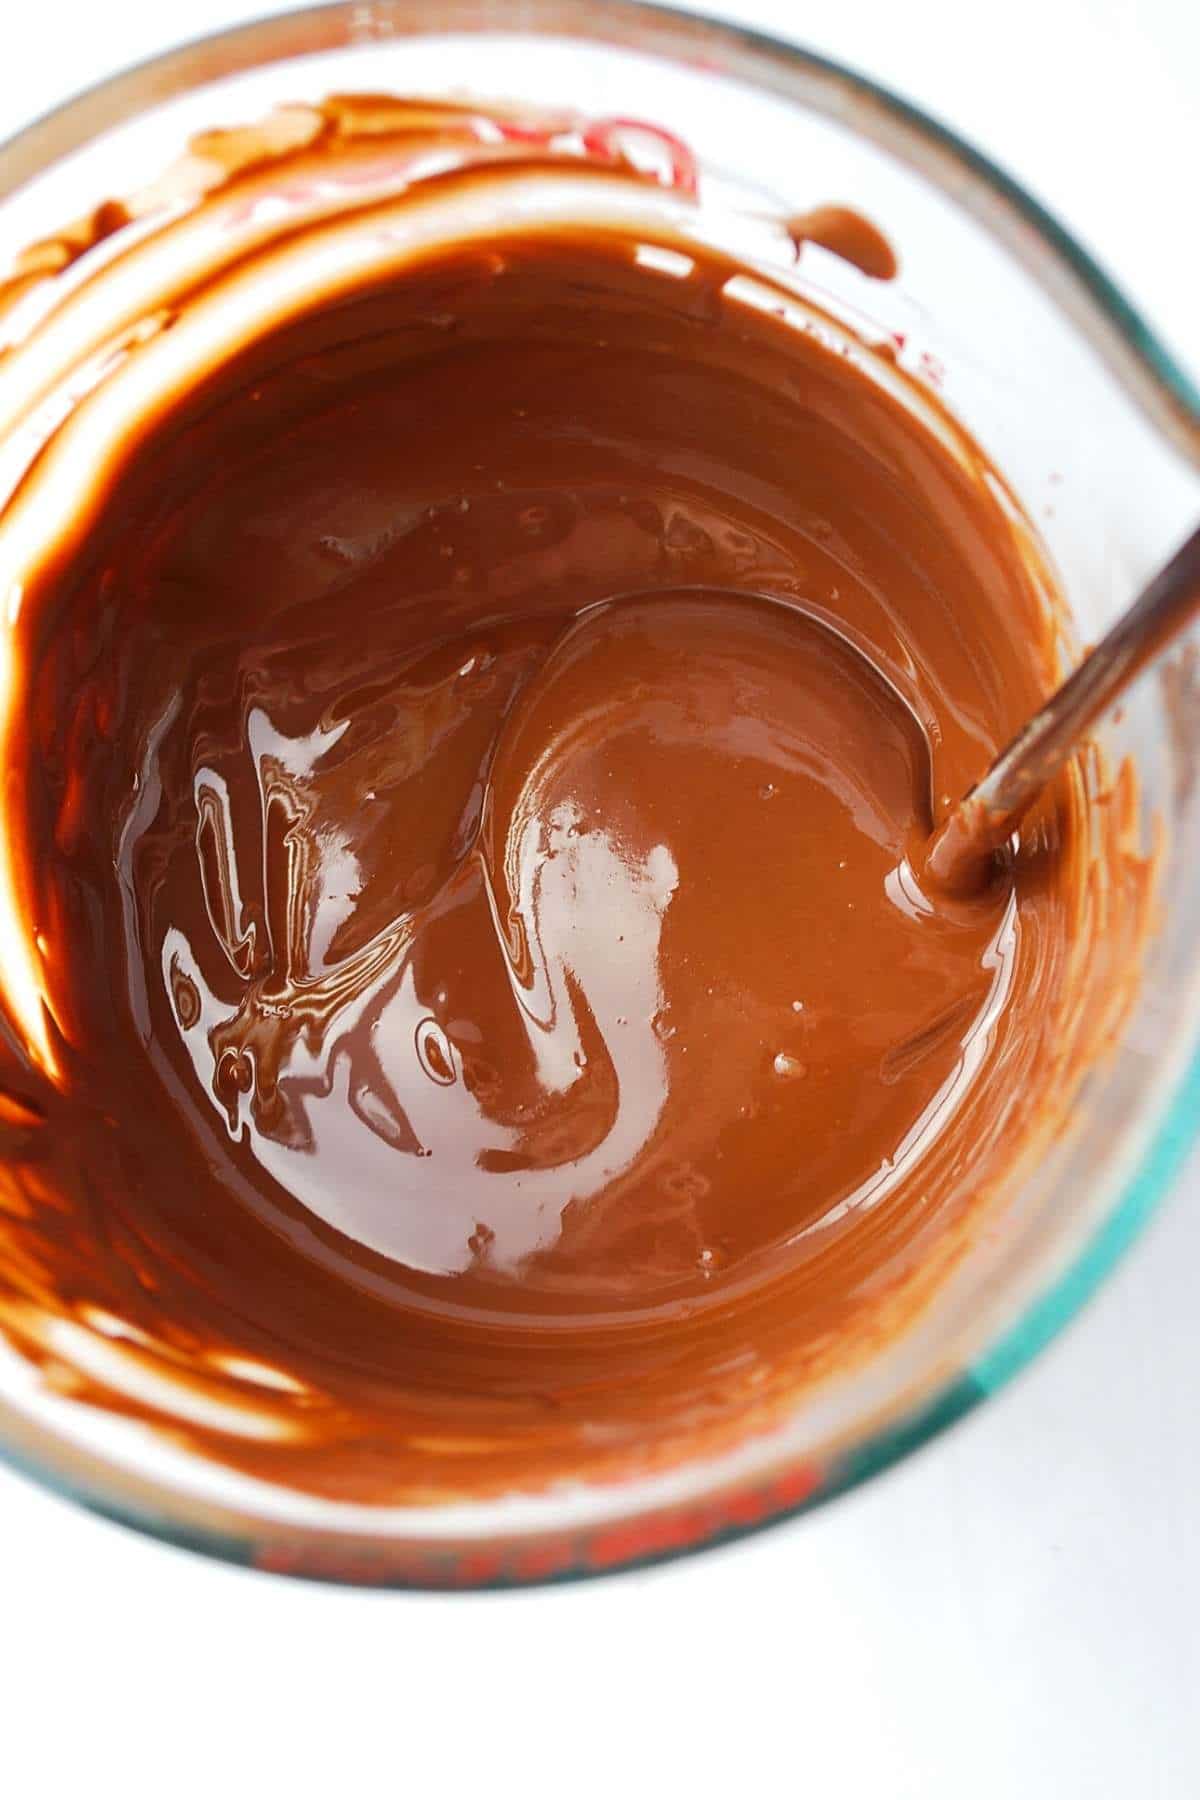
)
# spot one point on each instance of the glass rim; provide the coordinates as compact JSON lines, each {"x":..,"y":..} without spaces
{"x":1134,"y":353}
{"x":1145,"y":368}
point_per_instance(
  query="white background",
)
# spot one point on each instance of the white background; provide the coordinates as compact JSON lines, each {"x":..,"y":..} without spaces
{"x":1014,"y":1612}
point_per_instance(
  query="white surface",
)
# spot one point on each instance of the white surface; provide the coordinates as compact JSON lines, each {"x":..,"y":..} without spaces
{"x":1015,"y":1612}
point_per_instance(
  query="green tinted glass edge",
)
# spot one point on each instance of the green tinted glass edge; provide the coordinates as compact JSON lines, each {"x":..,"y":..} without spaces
{"x":1162,"y":1162}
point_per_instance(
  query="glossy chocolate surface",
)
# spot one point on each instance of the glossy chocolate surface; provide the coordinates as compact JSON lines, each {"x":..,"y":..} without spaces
{"x":460,"y":797}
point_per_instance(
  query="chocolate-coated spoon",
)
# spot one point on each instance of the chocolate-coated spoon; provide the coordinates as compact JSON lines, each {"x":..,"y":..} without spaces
{"x":960,"y":851}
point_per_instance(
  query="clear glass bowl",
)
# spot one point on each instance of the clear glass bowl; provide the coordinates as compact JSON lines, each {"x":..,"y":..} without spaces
{"x":1098,"y":433}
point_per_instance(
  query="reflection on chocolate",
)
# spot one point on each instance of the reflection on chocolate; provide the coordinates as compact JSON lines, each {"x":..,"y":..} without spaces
{"x":459,"y":788}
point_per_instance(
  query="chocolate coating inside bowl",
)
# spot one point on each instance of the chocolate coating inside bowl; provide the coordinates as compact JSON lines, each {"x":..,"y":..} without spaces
{"x":460,"y":795}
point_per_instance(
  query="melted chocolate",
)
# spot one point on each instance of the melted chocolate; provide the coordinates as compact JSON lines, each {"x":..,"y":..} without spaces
{"x":460,"y":796}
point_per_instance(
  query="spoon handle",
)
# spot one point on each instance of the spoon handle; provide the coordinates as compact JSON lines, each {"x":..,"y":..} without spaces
{"x":987,"y":816}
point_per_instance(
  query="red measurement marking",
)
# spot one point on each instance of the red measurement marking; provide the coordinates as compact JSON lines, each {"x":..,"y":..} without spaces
{"x":617,"y":140}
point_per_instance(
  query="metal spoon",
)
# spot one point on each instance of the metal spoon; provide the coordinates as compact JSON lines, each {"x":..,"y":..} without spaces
{"x":960,"y":852}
